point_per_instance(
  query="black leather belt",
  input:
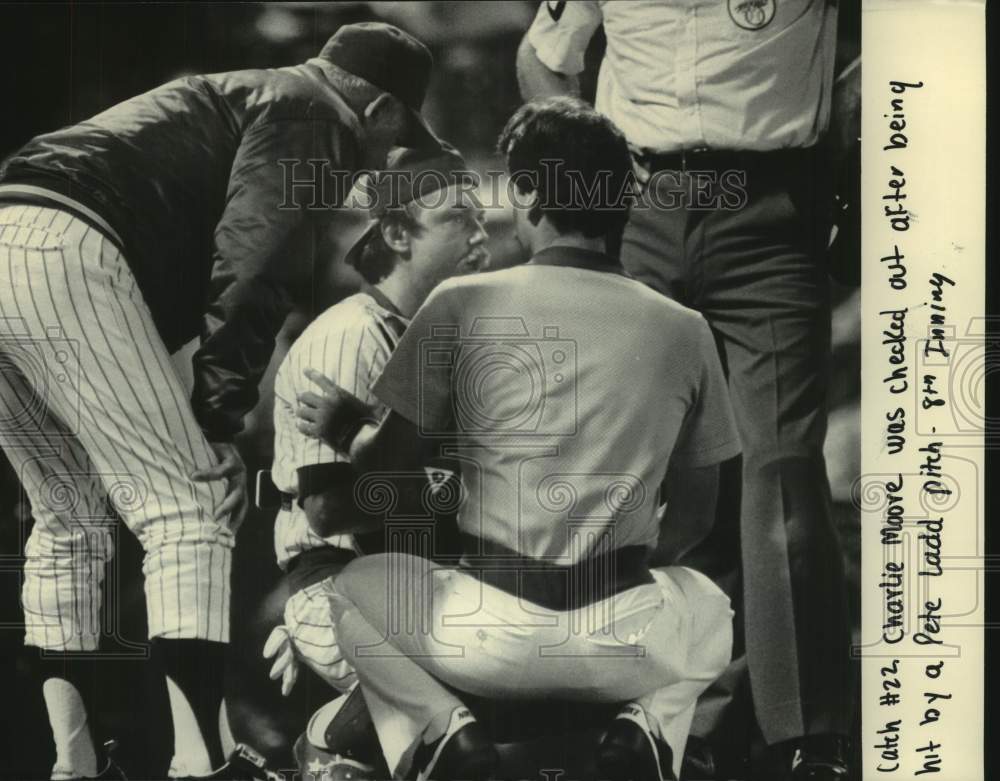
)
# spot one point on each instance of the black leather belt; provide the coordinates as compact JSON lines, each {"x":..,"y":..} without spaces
{"x":367,"y":542}
{"x":316,"y":564}
{"x":724,"y":159}
{"x":559,"y":587}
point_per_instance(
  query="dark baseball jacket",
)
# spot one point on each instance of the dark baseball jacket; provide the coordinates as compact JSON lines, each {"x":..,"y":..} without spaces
{"x":188,"y":176}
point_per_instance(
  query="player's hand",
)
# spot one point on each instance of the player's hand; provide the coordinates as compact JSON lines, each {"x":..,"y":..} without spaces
{"x":286,"y":667}
{"x":327,"y":417}
{"x":639,"y":170}
{"x":231,"y":469}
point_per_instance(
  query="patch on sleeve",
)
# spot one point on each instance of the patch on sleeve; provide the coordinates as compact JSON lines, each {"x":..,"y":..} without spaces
{"x":750,"y":14}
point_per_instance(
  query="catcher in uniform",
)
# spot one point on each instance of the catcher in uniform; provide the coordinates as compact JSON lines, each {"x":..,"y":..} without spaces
{"x":427,"y":226}
{"x":165,"y":218}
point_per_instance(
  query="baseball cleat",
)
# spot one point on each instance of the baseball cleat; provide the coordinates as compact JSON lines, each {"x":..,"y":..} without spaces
{"x":629,"y":751}
{"x":699,"y":760}
{"x":819,"y":758}
{"x":463,"y":753}
{"x":244,"y":764}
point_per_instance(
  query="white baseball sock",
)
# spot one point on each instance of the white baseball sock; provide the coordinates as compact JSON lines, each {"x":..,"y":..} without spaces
{"x":75,"y":755}
{"x":190,"y":751}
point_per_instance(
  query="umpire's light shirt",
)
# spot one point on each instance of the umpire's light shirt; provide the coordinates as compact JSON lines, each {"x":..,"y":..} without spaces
{"x":692,"y":74}
{"x":571,"y":387}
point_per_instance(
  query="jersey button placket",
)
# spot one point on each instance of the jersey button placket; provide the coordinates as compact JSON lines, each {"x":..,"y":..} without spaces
{"x":687,"y":87}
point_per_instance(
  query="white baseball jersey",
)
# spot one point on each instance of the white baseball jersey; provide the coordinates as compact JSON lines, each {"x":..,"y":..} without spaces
{"x":349,"y":343}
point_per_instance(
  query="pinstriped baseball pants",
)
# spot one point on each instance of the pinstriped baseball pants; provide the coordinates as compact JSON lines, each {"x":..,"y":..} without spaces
{"x":94,"y":418}
{"x":310,"y":625}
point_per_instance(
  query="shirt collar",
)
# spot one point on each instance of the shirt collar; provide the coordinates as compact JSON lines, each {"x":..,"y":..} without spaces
{"x":383,"y":301}
{"x":576,"y":257}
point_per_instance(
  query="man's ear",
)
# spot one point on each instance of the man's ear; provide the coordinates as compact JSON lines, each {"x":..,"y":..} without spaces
{"x":396,"y":237}
{"x":531,"y":201}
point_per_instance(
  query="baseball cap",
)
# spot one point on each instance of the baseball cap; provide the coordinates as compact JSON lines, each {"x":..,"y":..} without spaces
{"x":390,"y":59}
{"x":410,"y":174}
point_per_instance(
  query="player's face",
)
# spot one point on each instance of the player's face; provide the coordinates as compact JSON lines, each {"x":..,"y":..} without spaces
{"x":453,"y":239}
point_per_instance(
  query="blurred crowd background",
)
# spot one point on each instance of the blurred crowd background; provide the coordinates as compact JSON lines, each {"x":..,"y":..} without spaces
{"x":64,"y":62}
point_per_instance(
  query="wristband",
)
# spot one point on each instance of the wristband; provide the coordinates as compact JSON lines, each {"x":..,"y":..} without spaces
{"x":342,"y":439}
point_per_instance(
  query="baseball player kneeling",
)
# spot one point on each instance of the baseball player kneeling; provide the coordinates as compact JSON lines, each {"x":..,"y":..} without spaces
{"x":566,"y":416}
{"x":427,"y":226}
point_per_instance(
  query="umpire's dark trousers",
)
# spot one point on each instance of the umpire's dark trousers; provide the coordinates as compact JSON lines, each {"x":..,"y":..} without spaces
{"x":751,"y":258}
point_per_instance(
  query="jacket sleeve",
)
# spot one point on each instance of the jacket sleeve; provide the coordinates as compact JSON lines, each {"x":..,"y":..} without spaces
{"x":263,"y":241}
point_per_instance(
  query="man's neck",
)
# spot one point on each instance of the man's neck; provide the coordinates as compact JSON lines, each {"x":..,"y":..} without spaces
{"x":401,"y":293}
{"x":574,"y":240}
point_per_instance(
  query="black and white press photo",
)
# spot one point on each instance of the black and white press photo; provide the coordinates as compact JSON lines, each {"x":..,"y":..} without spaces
{"x":463,"y":391}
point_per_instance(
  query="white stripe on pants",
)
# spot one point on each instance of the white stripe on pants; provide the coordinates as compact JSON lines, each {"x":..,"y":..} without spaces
{"x":92,"y":408}
{"x":407,"y":627}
